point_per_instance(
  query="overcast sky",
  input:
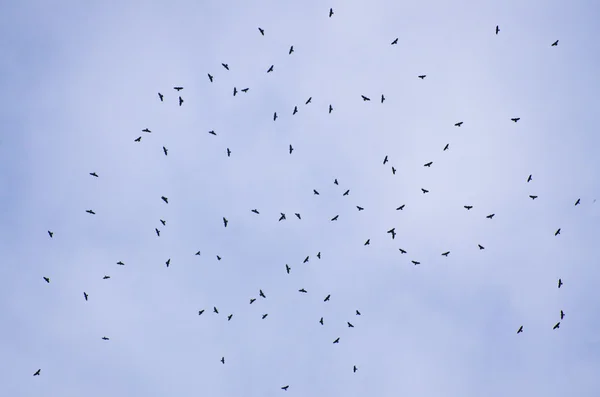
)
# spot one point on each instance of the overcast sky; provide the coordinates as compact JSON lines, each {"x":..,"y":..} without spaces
{"x":80,"y":82}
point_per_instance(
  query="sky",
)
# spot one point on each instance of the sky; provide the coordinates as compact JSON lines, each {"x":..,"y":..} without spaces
{"x":81,"y":81}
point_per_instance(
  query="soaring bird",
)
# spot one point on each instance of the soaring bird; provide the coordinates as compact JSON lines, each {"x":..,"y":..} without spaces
{"x":225,"y":221}
{"x":295,"y":110}
{"x":178,"y":88}
{"x":285,"y":387}
{"x":244,"y":90}
{"x":319,"y":254}
{"x":210,"y":77}
{"x":562,"y":314}
{"x":400,"y":208}
{"x":90,"y":212}
{"x":287,"y":268}
{"x":337,"y":340}
{"x":157,"y":232}
{"x":37,"y":373}
{"x":446,"y":253}
{"x":228,"y":152}
{"x":393,"y":171}
{"x":557,"y":232}
{"x":382,"y":98}
{"x":163,"y":222}
{"x":308,"y":101}
{"x":255,"y":211}
{"x":252,"y":300}
{"x":368,"y":242}
{"x":357,"y":313}
{"x":306,"y":259}
{"x":270,"y":69}
{"x":105,"y":277}
{"x":47,"y":279}
{"x":529,"y":178}
{"x":85,"y":295}
{"x":165,"y":199}
{"x":346,"y":192}
{"x":446,"y":147}
{"x":554,"y":44}
{"x":355,"y":369}
{"x":335,"y":218}
{"x":392,"y":231}
{"x":104,"y":338}
{"x":533,"y":197}
{"x":428,"y":164}
{"x":212,"y":132}
{"x":365,"y":98}
{"x":330,"y":12}
{"x":557,"y":325}
{"x":223,"y":360}
{"x":160,"y":96}
{"x":497,"y":29}
{"x":395,"y":41}
{"x":146,"y":130}
{"x":180,"y":101}
{"x":120,"y":263}
{"x":229,"y":317}
{"x":416,"y":263}
{"x":350,"y":325}
{"x":234,"y":91}
{"x":315,"y":192}
{"x":330,"y":108}
{"x":490,"y":216}
{"x":291,"y":50}
{"x":327,"y":298}
{"x":218,"y":258}
{"x":577,"y":202}
{"x":385,"y":160}
{"x":200,"y":312}
{"x":520,"y":329}
{"x":197,"y":253}
{"x":335,"y":181}
{"x":262,"y":31}
{"x":422,"y":76}
{"x":138,"y":139}
{"x":215,"y":310}
{"x":297,"y":215}
{"x":302,"y":290}
{"x":94,"y":174}
{"x":282,"y":217}
{"x":168,"y":262}
{"x":481,"y":247}
{"x":359,"y":208}
{"x":402,"y":251}
{"x":458,"y":124}
{"x":291,"y":149}
{"x":274,"y":116}
{"x":516,"y":119}
{"x":424,"y":190}
{"x":261,"y":293}
{"x":226,"y":66}
{"x":468,"y":207}
{"x":321,"y":320}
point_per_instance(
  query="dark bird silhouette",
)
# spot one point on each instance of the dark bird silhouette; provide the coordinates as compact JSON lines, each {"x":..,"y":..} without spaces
{"x":285,"y":387}
{"x":160,"y":96}
{"x":163,"y":222}
{"x":327,"y":298}
{"x":330,"y":109}
{"x":481,"y":247}
{"x":365,"y":98}
{"x":270,"y":69}
{"x":562,"y":314}
{"x":210,"y":77}
{"x":355,"y":369}
{"x":252,"y":300}
{"x":212,"y":132}
{"x":529,"y":179}
{"x":382,"y":98}
{"x":357,"y":313}
{"x":229,"y":317}
{"x":385,"y":160}
{"x":244,"y":90}
{"x":468,"y":207}
{"x":350,"y":325}
{"x":516,"y":119}
{"x":226,"y":66}
{"x":306,"y":259}
{"x":165,"y":150}
{"x":424,"y":190}
{"x":557,"y":325}
{"x":554,"y":44}
{"x":446,"y":253}
{"x":337,"y":340}
{"x":368,"y":242}
{"x":260,"y":292}
{"x":255,"y":211}
{"x":94,"y":174}
{"x":166,"y":200}
{"x":291,"y":149}
{"x":395,"y":41}
{"x":234,"y":91}
{"x":400,"y":208}
{"x":104,"y":338}
{"x":335,"y":218}
{"x":520,"y":329}
{"x":446,"y":147}
{"x":497,"y":29}
{"x":291,"y":50}
{"x":346,"y":192}
{"x":321,"y":320}
{"x":228,"y":152}
{"x":319,"y":254}
{"x":215,"y":310}
{"x":308,"y":101}
{"x":105,"y":277}
{"x":225,"y":221}
{"x":197,"y":253}
{"x":578,"y":201}
{"x":533,"y":197}
{"x":335,"y":182}
{"x":416,"y":263}
{"x":557,"y":232}
{"x":223,"y":360}
{"x":146,"y":130}
{"x":168,"y":262}
{"x":274,"y":116}
{"x":157,"y":232}
{"x":120,"y":263}
{"x":138,"y":139}
{"x":428,"y":164}
{"x":490,"y":216}
{"x":287,"y":268}
{"x":458,"y":124}
{"x":298,"y":215}
{"x":315,"y":192}
{"x":402,"y":251}
{"x":37,"y":373}
{"x":330,"y":12}
{"x":90,"y":212}
{"x":359,"y":208}
{"x":47,"y":279}
{"x":262,"y":31}
{"x":422,"y":76}
{"x":178,"y":88}
{"x":218,"y":258}
{"x":200,"y":312}
{"x":392,"y":231}
{"x":295,"y":110}
{"x":302,"y":290}
{"x":393,"y":171}
{"x":180,"y":101}
{"x":282,"y":217}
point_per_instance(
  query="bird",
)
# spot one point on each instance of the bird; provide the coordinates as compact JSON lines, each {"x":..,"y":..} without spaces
{"x":577,"y":202}
{"x":178,"y":88}
{"x":529,"y":178}
{"x":327,"y":298}
{"x":557,"y":325}
{"x":350,"y":325}
{"x":295,"y":110}
{"x":424,"y":190}
{"x":274,"y":116}
{"x":157,"y":232}
{"x":446,"y":253}
{"x":229,"y":317}
{"x":228,"y":152}
{"x":335,"y":182}
{"x":428,"y":164}
{"x":562,"y":314}
{"x":416,"y":263}
{"x":297,"y":215}
{"x":255,"y":211}
{"x":234,"y":91}
{"x":393,"y":171}
{"x":223,"y":360}
{"x":291,"y":149}
{"x":146,"y":130}
{"x":355,"y":369}
{"x":359,"y":208}
{"x":557,"y":232}
{"x":210,"y":77}
{"x":197,"y":253}
{"x":226,"y":66}
{"x":244,"y":90}
{"x":260,"y":292}
{"x":422,"y":76}
{"x":287,"y":268}
{"x":163,"y":222}
{"x":554,"y":44}
{"x":330,"y":12}
{"x":306,"y":259}
{"x":516,"y":119}
{"x":321,"y":320}
{"x":180,"y":101}
{"x":104,"y":338}
{"x":357,"y":313}
{"x":481,"y":247}
{"x":215,"y":310}
{"x":160,"y":96}
{"x":520,"y":329}
{"x":330,"y":108}
{"x":400,"y":208}
{"x":90,"y":212}
{"x":446,"y":147}
{"x":395,"y":41}
{"x":285,"y":387}
{"x":262,"y":31}
{"x":319,"y":254}
{"x":385,"y":160}
{"x":200,"y":312}
{"x":138,"y":139}
{"x":302,"y":290}
{"x":85,"y":295}
{"x":165,"y":199}
{"x":337,"y":340}
{"x":291,"y":50}
{"x":168,"y":262}
{"x":94,"y":174}
{"x":225,"y":221}
{"x":392,"y":231}
{"x":37,"y":373}
{"x":252,"y":300}
{"x":308,"y":101}
{"x":468,"y":207}
{"x":212,"y":132}
{"x":120,"y":263}
{"x":47,"y":279}
{"x":105,"y":277}
{"x":365,"y":98}
{"x":368,"y":242}
{"x":382,"y":98}
{"x":402,"y":251}
{"x":497,"y":29}
{"x":264,"y":316}
{"x":560,"y":283}
{"x":346,"y":192}
{"x":315,"y":192}
{"x":282,"y":217}
{"x":458,"y":124}
{"x":270,"y":69}
{"x":533,"y":197}
{"x":335,"y":218}
{"x":490,"y":216}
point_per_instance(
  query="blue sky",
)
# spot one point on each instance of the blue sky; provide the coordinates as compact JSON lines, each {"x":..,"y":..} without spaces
{"x":80,"y":82}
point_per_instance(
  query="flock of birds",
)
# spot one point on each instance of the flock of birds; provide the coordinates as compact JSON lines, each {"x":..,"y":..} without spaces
{"x":282,"y":217}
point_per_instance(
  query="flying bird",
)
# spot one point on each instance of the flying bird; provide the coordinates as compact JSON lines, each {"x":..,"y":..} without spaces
{"x":234,"y":91}
{"x":422,"y":76}
{"x":468,"y":207}
{"x":228,"y":152}
{"x":90,"y":212}
{"x":262,"y":31}
{"x":359,"y":208}
{"x":94,"y":174}
{"x":282,"y":217}
{"x":178,"y":88}
{"x":368,"y":242}
{"x":428,"y":164}
{"x":212,"y":132}
{"x":401,"y":207}
{"x":47,"y":279}
{"x":302,"y":290}
{"x":252,"y":300}
{"x":244,"y":90}
{"x":146,"y":130}
{"x":554,"y":44}
{"x":308,"y":101}
{"x":215,"y":310}
{"x":255,"y":211}
{"x":481,"y":247}
{"x":382,"y":98}
{"x":270,"y":69}
{"x":197,"y":253}
{"x":557,"y":232}
{"x":104,"y":338}
{"x":393,"y":171}
{"x":210,"y":77}
{"x":577,"y":202}
{"x":497,"y":29}
{"x":321,"y":320}
{"x":226,"y":66}
{"x":165,"y":150}
{"x":168,"y":262}
{"x":392,"y":231}
{"x":166,"y":200}
{"x":291,"y":149}
{"x":319,"y":254}
{"x":306,"y":259}
{"x":385,"y":160}
{"x":557,"y":325}
{"x":120,"y":263}
{"x":139,"y":139}
{"x":229,"y":317}
{"x":490,"y":216}
{"x":529,"y":178}
{"x":357,"y":313}
{"x":346,"y":192}
{"x":157,"y":232}
{"x":424,"y":190}
{"x":350,"y":325}
{"x":260,"y":292}
{"x":37,"y":373}
{"x":330,"y":12}
{"x":446,"y":253}
{"x":180,"y":101}
{"x":105,"y":277}
{"x":327,"y":298}
{"x":285,"y":387}
{"x":446,"y":147}
{"x":533,"y":197}
{"x":365,"y":98}
{"x":355,"y":369}
{"x":291,"y":50}
{"x":315,"y":192}
{"x":295,"y":110}
{"x":335,"y":181}
{"x":160,"y":96}
{"x":297,"y":215}
{"x":395,"y":41}
{"x":218,"y":258}
{"x":335,"y":218}
{"x":287,"y":268}
{"x":458,"y":124}
{"x":416,"y":263}
{"x":330,"y":109}
{"x":516,"y":119}
{"x":274,"y":116}
{"x":200,"y":312}
{"x":337,"y":340}
{"x":225,"y":221}
{"x":562,"y":314}
{"x":223,"y":360}
{"x":402,"y":251}
{"x":520,"y":329}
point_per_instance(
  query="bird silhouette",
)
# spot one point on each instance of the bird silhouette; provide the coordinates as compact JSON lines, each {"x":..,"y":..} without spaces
{"x":218,"y":258}
{"x":94,"y":174}
{"x":255,"y":211}
{"x":382,"y":98}
{"x":533,"y":197}
{"x":393,"y":171}
{"x":330,"y":109}
{"x":146,"y":130}
{"x":228,"y":152}
{"x":120,"y":263}
{"x":446,"y":147}
{"x":335,"y":218}
{"x":225,"y":221}
{"x":291,"y":149}
{"x":368,"y":242}
{"x":197,"y":253}
{"x":306,"y":259}
{"x":520,"y":329}
{"x":229,"y":317}
{"x":291,"y":50}
{"x":319,"y":254}
{"x":497,"y":29}
{"x":557,"y":232}
{"x":554,"y":44}
{"x":458,"y":124}
{"x":157,"y":232}
{"x":321,"y":320}
{"x":395,"y":41}
{"x":215,"y":310}
{"x":37,"y":373}
{"x":428,"y":164}
{"x":226,"y":66}
{"x":424,"y":190}
{"x":365,"y":98}
{"x":270,"y":69}
{"x":355,"y":369}
{"x":308,"y":101}
{"x":359,"y":208}
{"x":350,"y":325}
{"x":557,"y":325}
{"x":490,"y":216}
{"x":104,"y":338}
{"x":252,"y":300}
{"x":346,"y":192}
{"x":516,"y":119}
{"x":165,"y":199}
{"x":422,"y":76}
{"x":163,"y":222}
{"x":210,"y":77}
{"x":468,"y":207}
{"x":168,"y":262}
{"x":529,"y":179}
{"x":337,"y":340}
{"x":315,"y":192}
{"x":446,"y":253}
{"x":261,"y":31}
{"x":223,"y":360}
{"x":562,"y":314}
{"x":287,"y":268}
{"x":335,"y":181}
{"x":160,"y":96}
{"x":274,"y":116}
{"x":244,"y":90}
{"x":416,"y":263}
{"x":385,"y":160}
{"x":302,"y":290}
{"x":402,"y":251}
{"x":260,"y":292}
{"x":85,"y":295}
{"x":178,"y":88}
{"x":285,"y":387}
{"x":481,"y":247}
{"x":180,"y":101}
{"x":327,"y":298}
{"x":212,"y":132}
{"x":234,"y":91}
{"x":577,"y":202}
{"x":392,"y":231}
{"x":90,"y":212}
{"x":200,"y":312}
{"x":357,"y":313}
{"x":297,"y":215}
{"x":295,"y":110}
{"x":282,"y":217}
{"x":105,"y":277}
{"x":139,"y":139}
{"x":47,"y":279}
{"x":330,"y":12}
